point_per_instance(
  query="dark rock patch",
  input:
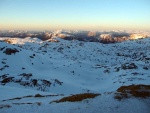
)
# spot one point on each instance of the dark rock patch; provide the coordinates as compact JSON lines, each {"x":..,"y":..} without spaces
{"x":9,"y":51}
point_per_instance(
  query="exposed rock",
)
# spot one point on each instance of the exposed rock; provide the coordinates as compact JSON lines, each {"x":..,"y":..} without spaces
{"x":146,"y":68}
{"x":128,"y":66}
{"x":9,"y":51}
{"x":8,"y":41}
{"x":6,"y":80}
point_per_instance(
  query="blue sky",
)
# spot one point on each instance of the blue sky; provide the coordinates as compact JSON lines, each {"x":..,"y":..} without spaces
{"x":75,"y":14}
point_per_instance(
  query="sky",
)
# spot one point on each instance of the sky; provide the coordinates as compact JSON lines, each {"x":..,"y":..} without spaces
{"x":75,"y":14}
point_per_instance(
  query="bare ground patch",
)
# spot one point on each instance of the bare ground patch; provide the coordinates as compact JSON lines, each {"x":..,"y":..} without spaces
{"x":140,"y":91}
{"x":77,"y":97}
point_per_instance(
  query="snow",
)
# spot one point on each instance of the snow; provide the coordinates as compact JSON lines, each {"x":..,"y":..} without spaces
{"x":81,"y":67}
{"x":101,"y":104}
{"x":138,"y":36}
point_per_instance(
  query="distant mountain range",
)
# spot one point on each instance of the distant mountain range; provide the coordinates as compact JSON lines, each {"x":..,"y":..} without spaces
{"x":72,"y":76}
{"x":87,"y":36}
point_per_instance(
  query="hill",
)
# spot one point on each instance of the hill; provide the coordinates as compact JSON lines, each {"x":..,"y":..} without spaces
{"x":41,"y":76}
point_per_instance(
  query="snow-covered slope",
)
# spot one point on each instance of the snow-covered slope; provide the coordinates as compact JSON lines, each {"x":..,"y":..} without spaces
{"x":62,"y":68}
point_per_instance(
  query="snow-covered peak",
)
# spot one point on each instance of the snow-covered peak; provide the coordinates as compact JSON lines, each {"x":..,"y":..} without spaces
{"x":21,"y":40}
{"x":105,"y":36}
{"x":138,"y":36}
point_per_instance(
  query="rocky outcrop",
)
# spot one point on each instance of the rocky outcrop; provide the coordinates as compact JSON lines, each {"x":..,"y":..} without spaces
{"x":9,"y":51}
{"x":128,"y":66}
